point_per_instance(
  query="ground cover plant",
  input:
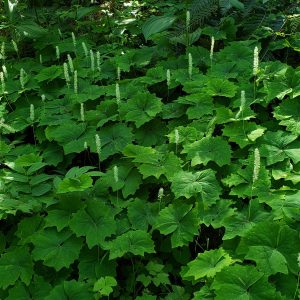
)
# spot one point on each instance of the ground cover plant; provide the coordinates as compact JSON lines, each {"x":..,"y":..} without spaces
{"x":149,"y":150}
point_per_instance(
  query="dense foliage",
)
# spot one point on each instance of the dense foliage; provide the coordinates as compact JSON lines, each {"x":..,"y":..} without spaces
{"x":149,"y":150}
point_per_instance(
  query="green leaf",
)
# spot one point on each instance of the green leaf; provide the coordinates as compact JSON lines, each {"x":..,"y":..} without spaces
{"x":94,"y":264}
{"x":241,"y":182}
{"x":95,"y":222}
{"x":207,"y":264}
{"x":288,"y":113}
{"x":202,"y":183}
{"x":129,"y":179}
{"x":59,"y":214}
{"x":18,"y":291}
{"x":243,"y":133}
{"x":141,"y":214}
{"x":65,"y":132}
{"x":77,"y":184}
{"x":280,"y":145}
{"x":208,"y":149}
{"x":14,"y":264}
{"x":141,"y":108}
{"x":237,"y":4}
{"x":241,"y":283}
{"x":217,"y":215}
{"x":152,"y":162}
{"x":56,"y":249}
{"x":137,"y":242}
{"x":114,"y":139}
{"x":181,"y":221}
{"x":220,"y":87}
{"x":241,"y":222}
{"x":70,"y":290}
{"x":31,"y":29}
{"x":268,"y":244}
{"x":284,"y":206}
{"x":105,"y":285}
{"x":200,"y":105}
{"x":157,"y":24}
{"x":49,"y":73}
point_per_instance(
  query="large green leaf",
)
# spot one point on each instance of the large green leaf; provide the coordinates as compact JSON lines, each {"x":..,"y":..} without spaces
{"x":280,"y":145}
{"x":141,"y":214}
{"x":157,"y":24}
{"x":137,"y":242}
{"x":56,"y":249}
{"x":94,"y":264}
{"x":14,"y":264}
{"x":129,"y":179}
{"x":202,"y":183}
{"x":288,"y":113}
{"x":268,"y":244}
{"x":181,"y":221}
{"x":242,"y":283}
{"x":199,"y":105}
{"x":208,"y":149}
{"x":152,"y":162}
{"x":64,"y":133}
{"x":141,"y":108}
{"x":76,"y":184}
{"x":114,"y":138}
{"x":207,"y":264}
{"x":220,"y":87}
{"x":70,"y":290}
{"x":95,"y":222}
{"x":243,"y":133}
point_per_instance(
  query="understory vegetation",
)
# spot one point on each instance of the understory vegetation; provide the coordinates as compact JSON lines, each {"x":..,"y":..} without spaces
{"x":149,"y":150}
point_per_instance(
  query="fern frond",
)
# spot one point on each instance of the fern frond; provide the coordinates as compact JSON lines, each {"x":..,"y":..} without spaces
{"x":294,"y":22}
{"x":201,"y":10}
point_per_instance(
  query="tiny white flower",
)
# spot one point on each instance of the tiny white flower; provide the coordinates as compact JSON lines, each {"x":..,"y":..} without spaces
{"x":92,"y":57}
{"x":43,"y":97}
{"x":82,"y":115}
{"x":70,"y":61}
{"x":98,"y":144}
{"x":255,"y":61}
{"x":22,"y":78}
{"x":5,"y":126}
{"x":85,"y":50}
{"x":243,"y":103}
{"x":256,"y":166}
{"x":116,"y":174}
{"x":66,"y":73}
{"x":85,"y":145}
{"x":57,"y":52}
{"x":118,"y":95}
{"x":75,"y":82}
{"x":168,"y":78}
{"x":98,"y":56}
{"x":15,"y":46}
{"x":190,"y":65}
{"x":176,"y":133}
{"x":212,"y":45}
{"x":2,"y":52}
{"x":5,"y":71}
{"x":160,"y":193}
{"x":31,"y":115}
{"x":74,"y":39}
{"x":3,"y":86}
{"x":119,"y":73}
{"x":188,"y":19}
